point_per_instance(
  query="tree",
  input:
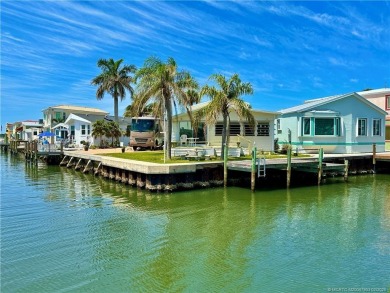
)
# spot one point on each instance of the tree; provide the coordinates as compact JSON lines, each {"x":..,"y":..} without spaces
{"x":149,"y":109}
{"x":99,"y":129}
{"x":226,"y":97}
{"x":114,"y":80}
{"x":163,"y":84}
{"x":113,"y":130}
{"x":191,"y":98}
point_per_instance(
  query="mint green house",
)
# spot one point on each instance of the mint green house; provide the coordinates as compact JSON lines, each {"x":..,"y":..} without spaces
{"x":339,"y":124}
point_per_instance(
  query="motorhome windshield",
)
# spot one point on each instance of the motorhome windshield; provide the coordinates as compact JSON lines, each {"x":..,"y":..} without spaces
{"x":142,"y":125}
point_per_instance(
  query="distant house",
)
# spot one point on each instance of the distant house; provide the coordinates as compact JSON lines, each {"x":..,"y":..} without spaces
{"x":346,"y":123}
{"x":74,"y":123}
{"x":381,"y":98}
{"x":24,"y":130}
{"x":262,"y":134}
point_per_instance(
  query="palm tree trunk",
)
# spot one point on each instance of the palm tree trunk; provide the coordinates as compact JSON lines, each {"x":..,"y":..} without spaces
{"x":168,"y":106}
{"x":194,"y":130}
{"x":224,"y":134}
{"x":116,"y":106}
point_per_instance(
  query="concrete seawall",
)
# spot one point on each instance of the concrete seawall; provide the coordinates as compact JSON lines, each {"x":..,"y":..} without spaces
{"x":151,"y":176}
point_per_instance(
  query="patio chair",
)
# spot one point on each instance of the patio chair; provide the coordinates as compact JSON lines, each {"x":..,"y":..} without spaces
{"x":183,"y":139}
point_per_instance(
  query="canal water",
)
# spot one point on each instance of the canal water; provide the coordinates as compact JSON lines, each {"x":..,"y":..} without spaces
{"x":64,"y":231}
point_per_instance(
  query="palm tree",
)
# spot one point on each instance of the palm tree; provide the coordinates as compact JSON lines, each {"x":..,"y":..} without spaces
{"x":148,"y":109}
{"x":224,"y":99}
{"x":164,"y":84}
{"x":114,"y":80}
{"x":113,"y":130}
{"x":99,"y":129}
{"x":191,"y":98}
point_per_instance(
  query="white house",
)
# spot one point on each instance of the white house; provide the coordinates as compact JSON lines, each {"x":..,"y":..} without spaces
{"x":346,"y":123}
{"x":80,"y":128}
{"x":240,"y":131}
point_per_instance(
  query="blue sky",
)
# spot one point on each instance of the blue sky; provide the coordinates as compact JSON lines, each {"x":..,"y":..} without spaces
{"x":289,"y":51}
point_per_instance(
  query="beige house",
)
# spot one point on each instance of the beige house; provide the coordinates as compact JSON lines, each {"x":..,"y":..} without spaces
{"x":262,"y":135}
{"x":381,"y":98}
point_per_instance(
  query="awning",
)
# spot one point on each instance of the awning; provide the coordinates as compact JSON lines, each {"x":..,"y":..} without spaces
{"x":61,"y":125}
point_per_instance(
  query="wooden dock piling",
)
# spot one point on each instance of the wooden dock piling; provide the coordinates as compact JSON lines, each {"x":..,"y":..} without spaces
{"x":288,"y":167}
{"x":320,"y":159}
{"x":346,"y":170}
{"x":374,"y":156}
{"x":253,"y":171}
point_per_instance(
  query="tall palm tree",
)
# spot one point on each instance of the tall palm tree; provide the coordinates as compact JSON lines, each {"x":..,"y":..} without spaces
{"x":114,"y":80}
{"x":164,"y":84}
{"x":226,"y":97}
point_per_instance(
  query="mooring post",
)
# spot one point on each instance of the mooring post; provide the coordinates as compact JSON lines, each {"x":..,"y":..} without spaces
{"x":288,"y":167}
{"x":320,"y":158}
{"x":374,"y":155}
{"x":253,"y":173}
{"x":345,"y":170}
{"x":225,"y":155}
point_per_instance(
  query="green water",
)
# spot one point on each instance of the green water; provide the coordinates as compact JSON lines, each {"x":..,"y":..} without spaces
{"x":64,"y":231}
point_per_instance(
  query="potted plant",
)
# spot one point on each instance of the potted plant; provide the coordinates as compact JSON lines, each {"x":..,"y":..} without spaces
{"x":86,"y":146}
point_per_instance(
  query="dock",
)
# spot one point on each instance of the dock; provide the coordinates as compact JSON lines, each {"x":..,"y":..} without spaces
{"x":211,"y":172}
{"x":32,"y":151}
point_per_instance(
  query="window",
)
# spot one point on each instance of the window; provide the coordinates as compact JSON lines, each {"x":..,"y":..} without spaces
{"x":58,"y":115}
{"x":320,"y":126}
{"x":249,"y":130}
{"x":72,"y":131}
{"x":376,"y":127}
{"x":262,"y":129}
{"x":324,"y":126}
{"x":306,"y":126}
{"x":235,"y":128}
{"x":88,"y":129}
{"x":387,"y":98}
{"x":83,"y":129}
{"x":362,"y":127}
{"x":185,"y":128}
{"x":218,"y":129}
{"x":278,"y":126}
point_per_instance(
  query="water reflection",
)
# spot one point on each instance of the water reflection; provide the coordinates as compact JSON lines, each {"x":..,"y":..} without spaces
{"x":221,"y":239}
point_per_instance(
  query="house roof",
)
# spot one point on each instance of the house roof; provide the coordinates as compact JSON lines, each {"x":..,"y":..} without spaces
{"x":382,"y":91}
{"x":32,"y":123}
{"x":90,"y":118}
{"x":78,"y":109}
{"x":312,"y":104}
{"x":204,"y":104}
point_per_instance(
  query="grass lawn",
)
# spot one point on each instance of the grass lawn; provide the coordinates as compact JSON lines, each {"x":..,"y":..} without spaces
{"x":158,"y":157}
